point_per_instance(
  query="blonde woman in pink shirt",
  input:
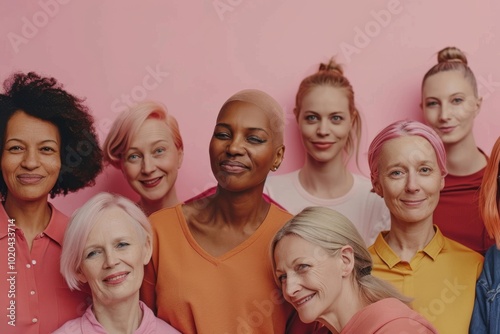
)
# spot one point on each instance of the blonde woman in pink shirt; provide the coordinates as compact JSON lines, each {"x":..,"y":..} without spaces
{"x":107,"y":244}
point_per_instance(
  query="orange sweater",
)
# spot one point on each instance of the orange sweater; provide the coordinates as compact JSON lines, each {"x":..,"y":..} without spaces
{"x":198,"y":293}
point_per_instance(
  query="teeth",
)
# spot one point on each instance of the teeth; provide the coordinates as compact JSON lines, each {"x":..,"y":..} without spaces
{"x":305,"y":300}
{"x":116,"y":278}
{"x":152,"y":181}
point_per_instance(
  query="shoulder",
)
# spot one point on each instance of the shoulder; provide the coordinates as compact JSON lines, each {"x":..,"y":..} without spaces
{"x":278,"y":213}
{"x":281,"y":181}
{"x":70,"y":327}
{"x":166,"y":215}
{"x":452,"y":246}
{"x":154,"y":324}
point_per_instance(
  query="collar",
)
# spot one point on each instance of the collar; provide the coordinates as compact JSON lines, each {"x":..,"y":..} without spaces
{"x":54,"y":230}
{"x":391,"y":259}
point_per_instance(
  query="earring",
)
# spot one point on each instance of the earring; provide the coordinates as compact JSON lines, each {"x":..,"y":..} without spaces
{"x":274,"y":169}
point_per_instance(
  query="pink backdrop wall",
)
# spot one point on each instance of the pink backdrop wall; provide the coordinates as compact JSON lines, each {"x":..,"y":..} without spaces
{"x":192,"y":55}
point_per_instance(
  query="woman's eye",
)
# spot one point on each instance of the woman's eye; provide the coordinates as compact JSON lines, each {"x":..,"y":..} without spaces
{"x":221,"y":135}
{"x":311,"y":118}
{"x":457,"y":100}
{"x":16,"y":148}
{"x":91,"y":254}
{"x":257,"y":140}
{"x":159,"y":150}
{"x":282,"y":278}
{"x":337,"y":118}
{"x":302,"y":267}
{"x":133,"y":157}
{"x":425,"y":170}
{"x":396,"y":173}
{"x":122,"y":244}
{"x":431,"y":104}
{"x":47,"y":149}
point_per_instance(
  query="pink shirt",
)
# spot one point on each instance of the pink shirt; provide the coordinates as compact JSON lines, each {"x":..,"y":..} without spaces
{"x":89,"y":324}
{"x":34,"y":297}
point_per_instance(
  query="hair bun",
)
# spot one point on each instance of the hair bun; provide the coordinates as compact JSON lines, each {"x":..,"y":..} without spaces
{"x":451,"y":54}
{"x":331,"y":66}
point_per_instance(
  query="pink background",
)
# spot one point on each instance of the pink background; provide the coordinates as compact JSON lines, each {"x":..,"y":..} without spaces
{"x":204,"y":51}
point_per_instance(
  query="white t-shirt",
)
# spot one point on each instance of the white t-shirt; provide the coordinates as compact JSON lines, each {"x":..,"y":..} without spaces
{"x":365,"y":209}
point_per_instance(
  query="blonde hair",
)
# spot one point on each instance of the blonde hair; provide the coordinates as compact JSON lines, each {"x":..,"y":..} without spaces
{"x":128,"y":123}
{"x":331,"y":231}
{"x":452,"y":59}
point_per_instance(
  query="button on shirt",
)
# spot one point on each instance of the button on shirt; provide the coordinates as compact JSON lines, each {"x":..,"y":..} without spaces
{"x":34,"y":297}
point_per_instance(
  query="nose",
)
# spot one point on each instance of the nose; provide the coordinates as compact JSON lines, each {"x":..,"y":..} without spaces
{"x":291,"y":286}
{"x":31,"y":160}
{"x":445,"y":112}
{"x":111,"y":259}
{"x":323,"y":128}
{"x":412,"y":183}
{"x":148,"y":165}
{"x":235,"y":146}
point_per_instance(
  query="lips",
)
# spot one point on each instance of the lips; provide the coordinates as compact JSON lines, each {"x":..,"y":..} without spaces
{"x":322,"y":145}
{"x":233,"y":166}
{"x":413,"y":202}
{"x":301,"y":301}
{"x":151,"y":183}
{"x":446,"y":129}
{"x":116,"y":278}
{"x":30,"y":178}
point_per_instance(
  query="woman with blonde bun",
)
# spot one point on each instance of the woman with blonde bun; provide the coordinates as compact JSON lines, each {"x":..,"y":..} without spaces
{"x":330,"y":125}
{"x":450,"y":103}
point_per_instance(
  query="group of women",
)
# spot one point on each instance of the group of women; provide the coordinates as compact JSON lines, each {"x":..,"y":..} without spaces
{"x":235,"y":259}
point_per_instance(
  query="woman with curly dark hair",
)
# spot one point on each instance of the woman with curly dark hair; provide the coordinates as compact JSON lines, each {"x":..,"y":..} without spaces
{"x":48,"y":146}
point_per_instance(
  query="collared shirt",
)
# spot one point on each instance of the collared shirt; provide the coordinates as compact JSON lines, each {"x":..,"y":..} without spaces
{"x":34,"y":297}
{"x":441,"y":278}
{"x":88,"y":324}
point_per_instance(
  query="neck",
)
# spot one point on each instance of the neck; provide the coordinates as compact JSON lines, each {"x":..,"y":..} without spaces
{"x":339,"y":315}
{"x":238,"y":208}
{"x":463,"y":158}
{"x":121,"y":317}
{"x":406,"y":239}
{"x":30,"y":216}
{"x":329,"y":179}
{"x":168,"y":201}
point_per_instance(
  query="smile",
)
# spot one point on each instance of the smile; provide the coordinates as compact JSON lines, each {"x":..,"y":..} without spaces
{"x":29,"y":178}
{"x":233,"y":167}
{"x":152,"y":182}
{"x":116,"y":279}
{"x":304,"y":300}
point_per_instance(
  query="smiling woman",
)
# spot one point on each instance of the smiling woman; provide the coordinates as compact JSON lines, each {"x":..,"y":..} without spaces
{"x":324,"y":270}
{"x":209,"y":273}
{"x":107,"y":244}
{"x":48,"y":147}
{"x":450,"y":103}
{"x":146,"y":145}
{"x":408,"y":164}
{"x":330,"y":125}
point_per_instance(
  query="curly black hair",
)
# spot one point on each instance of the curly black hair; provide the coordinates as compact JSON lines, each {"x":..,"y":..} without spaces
{"x":45,"y":99}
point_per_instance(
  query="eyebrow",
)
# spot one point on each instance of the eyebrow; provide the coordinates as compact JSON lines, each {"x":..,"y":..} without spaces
{"x":41,"y":142}
{"x":225,"y":125}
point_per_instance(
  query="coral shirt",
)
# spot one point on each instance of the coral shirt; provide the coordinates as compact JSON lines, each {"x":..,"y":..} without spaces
{"x":388,"y":316}
{"x":34,"y":297}
{"x":198,"y":293}
{"x":441,"y":278}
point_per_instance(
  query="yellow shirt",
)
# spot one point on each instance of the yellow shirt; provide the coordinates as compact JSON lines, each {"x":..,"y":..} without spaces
{"x":441,"y":278}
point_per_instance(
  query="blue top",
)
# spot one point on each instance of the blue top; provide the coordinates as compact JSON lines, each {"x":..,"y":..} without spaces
{"x":486,"y":314}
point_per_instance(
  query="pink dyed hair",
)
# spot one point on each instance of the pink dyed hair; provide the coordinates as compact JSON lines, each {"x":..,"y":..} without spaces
{"x":81,"y":223}
{"x":128,"y":122}
{"x":400,"y":129}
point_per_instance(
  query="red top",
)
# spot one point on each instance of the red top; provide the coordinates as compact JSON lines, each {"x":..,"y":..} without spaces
{"x":34,"y":297}
{"x":457,"y":213}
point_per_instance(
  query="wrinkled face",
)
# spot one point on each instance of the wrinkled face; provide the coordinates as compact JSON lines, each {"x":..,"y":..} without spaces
{"x":450,"y":106}
{"x":31,"y":159}
{"x":409,"y":179}
{"x":114,"y":257}
{"x":325,"y":122}
{"x":242,"y":149}
{"x":311,"y":279}
{"x":152,"y":161}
